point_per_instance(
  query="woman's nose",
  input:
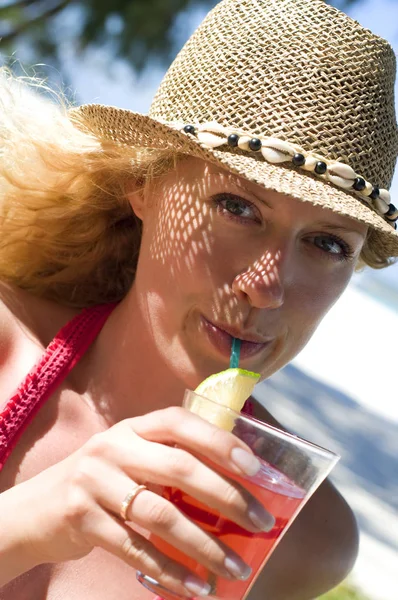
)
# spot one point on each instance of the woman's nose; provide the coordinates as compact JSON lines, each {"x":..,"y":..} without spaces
{"x":261,"y":284}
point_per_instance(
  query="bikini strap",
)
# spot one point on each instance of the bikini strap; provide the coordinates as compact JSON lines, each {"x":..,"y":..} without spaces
{"x":59,"y":358}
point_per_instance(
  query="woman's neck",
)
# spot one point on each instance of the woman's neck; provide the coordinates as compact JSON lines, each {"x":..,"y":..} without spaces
{"x":124,"y":375}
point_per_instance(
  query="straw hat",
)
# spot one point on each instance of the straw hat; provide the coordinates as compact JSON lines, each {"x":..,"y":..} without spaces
{"x":290,"y":94}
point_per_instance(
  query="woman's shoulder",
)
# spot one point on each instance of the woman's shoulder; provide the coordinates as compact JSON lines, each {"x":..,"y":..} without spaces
{"x":11,"y":313}
{"x":27,"y":325}
{"x":6,"y":331}
{"x":23,"y":314}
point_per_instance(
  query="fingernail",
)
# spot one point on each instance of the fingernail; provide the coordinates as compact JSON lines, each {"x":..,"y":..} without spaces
{"x":260,"y":518}
{"x":237,"y":568}
{"x":197,"y":586}
{"x":246,"y":462}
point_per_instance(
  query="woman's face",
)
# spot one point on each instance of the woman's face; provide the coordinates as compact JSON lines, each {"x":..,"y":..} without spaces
{"x":222,"y":257}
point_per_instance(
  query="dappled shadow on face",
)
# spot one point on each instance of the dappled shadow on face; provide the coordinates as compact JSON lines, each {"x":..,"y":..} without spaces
{"x":260,"y":283}
{"x":191,"y":241}
{"x":183,"y":226}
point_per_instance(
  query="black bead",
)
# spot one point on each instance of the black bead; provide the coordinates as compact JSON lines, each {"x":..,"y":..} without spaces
{"x":298,"y":159}
{"x":391,"y":210}
{"x":320,"y":167}
{"x":233,"y":140}
{"x":375,"y":193}
{"x":255,"y":144}
{"x":189,"y":129}
{"x":359,"y":184}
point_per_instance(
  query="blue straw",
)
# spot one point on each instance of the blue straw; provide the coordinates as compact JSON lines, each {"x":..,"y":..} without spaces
{"x":235,"y":354}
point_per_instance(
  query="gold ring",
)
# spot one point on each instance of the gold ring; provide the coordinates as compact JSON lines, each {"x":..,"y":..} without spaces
{"x":129,"y":499}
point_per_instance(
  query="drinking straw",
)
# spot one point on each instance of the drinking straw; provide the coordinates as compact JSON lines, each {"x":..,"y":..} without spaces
{"x":235,"y":353}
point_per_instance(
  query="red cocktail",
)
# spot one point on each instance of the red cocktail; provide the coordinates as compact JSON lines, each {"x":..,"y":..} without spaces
{"x":291,"y":471}
{"x":281,"y":497}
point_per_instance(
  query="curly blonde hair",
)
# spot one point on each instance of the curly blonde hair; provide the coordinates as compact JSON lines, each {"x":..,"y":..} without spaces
{"x":67,"y":230}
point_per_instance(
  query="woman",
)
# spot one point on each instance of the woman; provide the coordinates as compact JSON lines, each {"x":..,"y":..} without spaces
{"x":240,"y":207}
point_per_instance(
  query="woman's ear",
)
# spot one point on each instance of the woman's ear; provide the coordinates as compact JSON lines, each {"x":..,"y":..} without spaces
{"x":136,"y":198}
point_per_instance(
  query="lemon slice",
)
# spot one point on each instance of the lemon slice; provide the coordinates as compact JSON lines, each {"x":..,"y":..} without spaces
{"x":231,"y":389}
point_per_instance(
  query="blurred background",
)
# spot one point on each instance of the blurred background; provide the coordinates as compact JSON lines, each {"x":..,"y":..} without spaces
{"x":340,"y":391}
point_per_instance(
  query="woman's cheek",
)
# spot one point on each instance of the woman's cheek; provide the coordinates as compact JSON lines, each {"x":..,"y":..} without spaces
{"x":311,"y":306}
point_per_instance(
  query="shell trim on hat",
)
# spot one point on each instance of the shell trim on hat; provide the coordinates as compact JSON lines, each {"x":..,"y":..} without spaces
{"x":274,"y":150}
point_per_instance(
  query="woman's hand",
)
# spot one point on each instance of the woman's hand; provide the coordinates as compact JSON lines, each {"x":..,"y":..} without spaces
{"x":75,"y":505}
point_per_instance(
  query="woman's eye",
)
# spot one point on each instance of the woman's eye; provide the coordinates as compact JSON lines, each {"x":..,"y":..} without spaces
{"x":236,"y":207}
{"x":333,"y":245}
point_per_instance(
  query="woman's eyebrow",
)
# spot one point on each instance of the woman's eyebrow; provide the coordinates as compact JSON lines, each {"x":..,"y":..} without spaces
{"x":339,"y":227}
{"x":239,"y":183}
{"x":246,"y":189}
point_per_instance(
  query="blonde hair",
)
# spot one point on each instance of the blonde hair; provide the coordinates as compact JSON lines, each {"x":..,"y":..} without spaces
{"x":67,"y":230}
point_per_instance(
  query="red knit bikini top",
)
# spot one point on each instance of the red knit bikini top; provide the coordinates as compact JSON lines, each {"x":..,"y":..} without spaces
{"x":59,"y":358}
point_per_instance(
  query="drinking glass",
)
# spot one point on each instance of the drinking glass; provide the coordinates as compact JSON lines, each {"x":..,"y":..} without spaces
{"x":291,"y":471}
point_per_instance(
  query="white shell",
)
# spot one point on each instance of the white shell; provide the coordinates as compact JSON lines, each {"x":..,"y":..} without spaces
{"x":340,"y":182}
{"x":210,"y":140}
{"x":368,"y":189}
{"x":385,"y":195}
{"x":380,"y":205}
{"x":310,"y":162}
{"x":274,"y":156}
{"x":243,"y":142}
{"x":213,"y":127}
{"x":342,"y":170}
{"x":281,"y":145}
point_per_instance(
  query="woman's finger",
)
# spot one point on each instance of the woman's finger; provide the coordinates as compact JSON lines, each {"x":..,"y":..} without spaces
{"x":119,"y":539}
{"x":176,"y":425}
{"x":156,"y":514}
{"x":145,"y":461}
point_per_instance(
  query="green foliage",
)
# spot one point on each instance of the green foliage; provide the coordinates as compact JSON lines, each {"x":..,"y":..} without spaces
{"x":344,"y":592}
{"x":135,"y":30}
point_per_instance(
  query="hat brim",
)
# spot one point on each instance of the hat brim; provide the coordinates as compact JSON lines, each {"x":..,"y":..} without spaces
{"x":134,"y":129}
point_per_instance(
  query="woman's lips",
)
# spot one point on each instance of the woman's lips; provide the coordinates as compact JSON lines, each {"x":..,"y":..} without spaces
{"x":222,"y":341}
